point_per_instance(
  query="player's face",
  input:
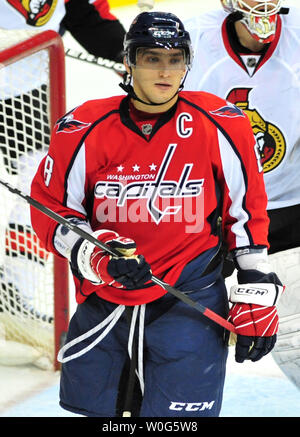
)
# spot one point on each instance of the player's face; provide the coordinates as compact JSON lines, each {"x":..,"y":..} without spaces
{"x":157,"y":74}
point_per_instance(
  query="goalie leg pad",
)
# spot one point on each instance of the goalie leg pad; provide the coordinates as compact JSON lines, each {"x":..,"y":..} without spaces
{"x":286,"y":264}
{"x":287,"y":349}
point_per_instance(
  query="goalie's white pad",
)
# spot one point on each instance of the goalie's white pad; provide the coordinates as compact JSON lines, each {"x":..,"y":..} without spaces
{"x":16,"y":350}
{"x":13,"y":353}
{"x":287,"y":349}
{"x":264,"y":294}
{"x":286,"y":264}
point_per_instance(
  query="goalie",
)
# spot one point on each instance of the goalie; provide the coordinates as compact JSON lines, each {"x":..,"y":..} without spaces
{"x":258,"y":43}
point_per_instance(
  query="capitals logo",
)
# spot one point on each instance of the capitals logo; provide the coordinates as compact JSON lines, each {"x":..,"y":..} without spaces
{"x":36,"y":12}
{"x":230,"y":111}
{"x":163,"y":197}
{"x":69,"y":125}
{"x":270,"y":140}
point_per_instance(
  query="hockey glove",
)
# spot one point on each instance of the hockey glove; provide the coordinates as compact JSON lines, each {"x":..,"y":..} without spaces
{"x":254,"y":313}
{"x":145,"y":5}
{"x":130,"y":270}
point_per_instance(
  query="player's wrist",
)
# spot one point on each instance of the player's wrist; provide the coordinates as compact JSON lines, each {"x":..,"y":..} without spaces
{"x":257,"y":283}
{"x":252,"y":259}
{"x":64,"y":239}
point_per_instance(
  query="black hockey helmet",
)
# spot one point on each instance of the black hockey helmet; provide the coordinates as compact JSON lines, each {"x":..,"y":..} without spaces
{"x":158,"y":30}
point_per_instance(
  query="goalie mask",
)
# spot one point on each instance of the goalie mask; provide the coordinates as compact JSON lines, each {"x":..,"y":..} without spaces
{"x":157,"y":30}
{"x":260,"y":19}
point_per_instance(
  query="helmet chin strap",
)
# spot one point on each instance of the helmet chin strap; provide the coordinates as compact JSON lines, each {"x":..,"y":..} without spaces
{"x":128,"y":88}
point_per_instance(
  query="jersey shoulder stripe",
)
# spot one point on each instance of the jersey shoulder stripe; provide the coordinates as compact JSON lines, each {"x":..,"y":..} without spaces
{"x":231,"y":124}
{"x":225,"y":116}
{"x":75,"y":126}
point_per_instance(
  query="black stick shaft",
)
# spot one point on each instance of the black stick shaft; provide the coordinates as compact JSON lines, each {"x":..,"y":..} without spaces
{"x":94,"y":60}
{"x":60,"y":219}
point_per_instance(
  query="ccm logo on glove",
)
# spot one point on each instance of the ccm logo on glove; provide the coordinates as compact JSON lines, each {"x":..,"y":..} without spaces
{"x":261,"y":294}
{"x":254,"y":313}
{"x":251,"y":291}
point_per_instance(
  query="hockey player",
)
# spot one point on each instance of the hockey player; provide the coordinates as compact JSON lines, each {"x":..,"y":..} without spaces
{"x":150,"y":174}
{"x":249,"y":55}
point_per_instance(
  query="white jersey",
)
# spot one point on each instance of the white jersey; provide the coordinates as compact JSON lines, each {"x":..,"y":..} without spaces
{"x":266,"y":87}
{"x":32,"y":14}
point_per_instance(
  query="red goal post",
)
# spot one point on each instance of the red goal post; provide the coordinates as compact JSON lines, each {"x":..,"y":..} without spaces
{"x":28,"y":60}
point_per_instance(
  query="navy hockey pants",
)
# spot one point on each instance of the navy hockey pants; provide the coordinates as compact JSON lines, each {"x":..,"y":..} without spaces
{"x":184,"y":356}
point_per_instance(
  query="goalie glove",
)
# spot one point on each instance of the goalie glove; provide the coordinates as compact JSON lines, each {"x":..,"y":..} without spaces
{"x":96,"y":265}
{"x":254,"y":312}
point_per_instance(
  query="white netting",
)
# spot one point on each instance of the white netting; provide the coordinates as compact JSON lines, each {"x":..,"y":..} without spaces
{"x":26,"y":270}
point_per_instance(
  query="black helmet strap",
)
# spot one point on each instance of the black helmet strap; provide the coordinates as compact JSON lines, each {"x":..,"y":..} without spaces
{"x":128,"y":88}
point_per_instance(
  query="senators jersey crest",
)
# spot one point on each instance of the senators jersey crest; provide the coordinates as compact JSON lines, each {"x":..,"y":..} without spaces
{"x":270,"y":140}
{"x":36,"y":13}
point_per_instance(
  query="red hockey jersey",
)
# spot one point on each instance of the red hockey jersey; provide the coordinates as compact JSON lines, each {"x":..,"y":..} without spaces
{"x":164,"y":186}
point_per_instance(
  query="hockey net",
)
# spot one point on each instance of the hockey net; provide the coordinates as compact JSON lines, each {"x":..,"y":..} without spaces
{"x":33,"y":283}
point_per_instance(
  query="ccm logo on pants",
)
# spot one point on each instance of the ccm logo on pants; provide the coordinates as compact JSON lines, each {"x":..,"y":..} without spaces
{"x":191,"y":406}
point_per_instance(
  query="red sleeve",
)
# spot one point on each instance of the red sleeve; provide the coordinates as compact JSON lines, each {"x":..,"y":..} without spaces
{"x":245,"y":218}
{"x":50,"y":183}
{"x":102,"y":6}
{"x":238,"y":173}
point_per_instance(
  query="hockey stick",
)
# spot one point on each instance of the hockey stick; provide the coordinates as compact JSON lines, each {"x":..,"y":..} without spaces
{"x":91,"y":59}
{"x":60,"y":219}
